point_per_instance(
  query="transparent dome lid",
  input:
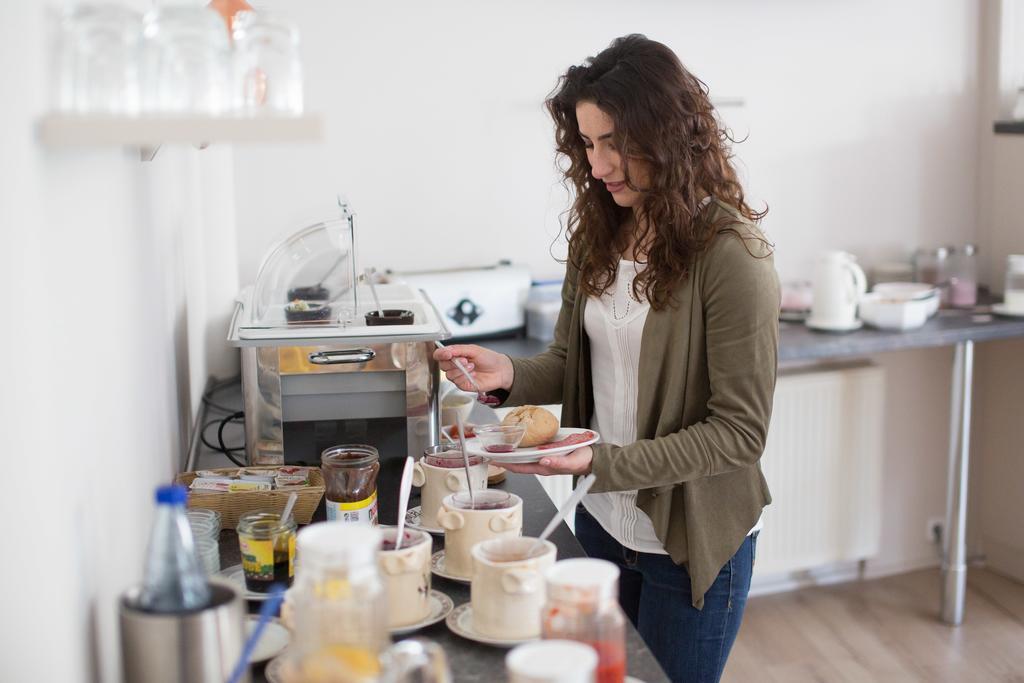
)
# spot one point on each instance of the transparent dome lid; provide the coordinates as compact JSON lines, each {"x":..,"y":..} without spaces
{"x":308,"y":279}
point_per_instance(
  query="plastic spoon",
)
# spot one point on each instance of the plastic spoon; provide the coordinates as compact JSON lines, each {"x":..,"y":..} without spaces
{"x":288,"y":506}
{"x":368,"y":274}
{"x":268,"y":610}
{"x":581,"y":490}
{"x":403,"y":499}
{"x":465,"y":459}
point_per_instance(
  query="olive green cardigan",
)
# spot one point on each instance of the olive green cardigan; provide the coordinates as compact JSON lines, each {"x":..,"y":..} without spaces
{"x":706,"y":381}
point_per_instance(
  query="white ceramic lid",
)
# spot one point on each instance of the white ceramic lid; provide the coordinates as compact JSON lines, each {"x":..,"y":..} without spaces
{"x":339,"y":544}
{"x":551,"y":661}
{"x":582,"y":580}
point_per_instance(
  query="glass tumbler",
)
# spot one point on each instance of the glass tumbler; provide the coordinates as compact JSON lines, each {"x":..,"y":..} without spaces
{"x":267,"y":68}
{"x":186,"y":62}
{"x":97,"y":60}
{"x":1013,"y":289}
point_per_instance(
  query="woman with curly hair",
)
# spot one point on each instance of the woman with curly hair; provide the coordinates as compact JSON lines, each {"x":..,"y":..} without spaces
{"x":666,"y":345}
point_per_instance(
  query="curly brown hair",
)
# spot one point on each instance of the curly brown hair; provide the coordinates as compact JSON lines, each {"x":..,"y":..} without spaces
{"x":664,"y":119}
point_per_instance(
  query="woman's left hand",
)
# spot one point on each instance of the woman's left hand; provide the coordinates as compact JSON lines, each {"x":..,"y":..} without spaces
{"x":577,"y":462}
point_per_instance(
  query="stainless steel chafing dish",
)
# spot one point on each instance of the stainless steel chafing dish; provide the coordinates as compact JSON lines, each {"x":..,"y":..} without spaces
{"x":315,"y":375}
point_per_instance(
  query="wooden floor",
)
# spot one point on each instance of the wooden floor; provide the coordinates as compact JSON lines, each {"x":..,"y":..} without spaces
{"x":882,"y":630}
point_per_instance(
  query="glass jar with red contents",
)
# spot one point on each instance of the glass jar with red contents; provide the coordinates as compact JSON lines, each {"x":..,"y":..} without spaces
{"x":350,"y":477}
{"x":582,"y":605}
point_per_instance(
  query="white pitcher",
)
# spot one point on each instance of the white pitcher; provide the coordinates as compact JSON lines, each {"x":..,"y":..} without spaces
{"x":839,"y":284}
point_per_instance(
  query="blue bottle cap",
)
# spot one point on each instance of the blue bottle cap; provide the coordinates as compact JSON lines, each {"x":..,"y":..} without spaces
{"x":171,"y":495}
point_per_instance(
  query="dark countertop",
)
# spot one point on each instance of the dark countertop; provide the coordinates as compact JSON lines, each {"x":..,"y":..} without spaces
{"x":800,"y":343}
{"x":471,"y":661}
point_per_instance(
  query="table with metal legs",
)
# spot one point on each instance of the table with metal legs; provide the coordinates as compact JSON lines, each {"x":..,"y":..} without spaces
{"x":962,"y":330}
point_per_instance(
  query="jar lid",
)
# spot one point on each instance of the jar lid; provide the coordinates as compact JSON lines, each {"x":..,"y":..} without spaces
{"x":349,"y":455}
{"x":582,"y":580}
{"x":338,"y":544}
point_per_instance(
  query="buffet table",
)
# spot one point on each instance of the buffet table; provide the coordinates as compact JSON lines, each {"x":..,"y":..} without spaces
{"x":471,"y":661}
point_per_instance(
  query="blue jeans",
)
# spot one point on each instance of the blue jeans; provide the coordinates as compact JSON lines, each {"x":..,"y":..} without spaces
{"x":690,"y":644}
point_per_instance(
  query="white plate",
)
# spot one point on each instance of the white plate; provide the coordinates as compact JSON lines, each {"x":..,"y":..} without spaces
{"x":460,"y":622}
{"x":523,"y":455}
{"x":236,"y":575}
{"x":437,"y":567}
{"x":412,"y":520}
{"x":273,"y":640}
{"x":1001,"y":309}
{"x":440,"y":607}
{"x":828,"y":327}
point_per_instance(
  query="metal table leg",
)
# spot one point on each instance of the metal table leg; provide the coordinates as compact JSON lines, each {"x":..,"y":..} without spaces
{"x":954,"y":542}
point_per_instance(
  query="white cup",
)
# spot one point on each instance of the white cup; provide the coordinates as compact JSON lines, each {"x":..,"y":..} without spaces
{"x":508,"y":589}
{"x":444,"y":478}
{"x":406,"y":575}
{"x":552,"y":661}
{"x":465,"y":526}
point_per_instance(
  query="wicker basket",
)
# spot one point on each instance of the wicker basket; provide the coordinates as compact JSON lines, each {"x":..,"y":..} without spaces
{"x":231,"y":506}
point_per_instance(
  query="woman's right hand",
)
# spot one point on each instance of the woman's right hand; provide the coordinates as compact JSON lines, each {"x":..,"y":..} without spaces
{"x":490,"y":369}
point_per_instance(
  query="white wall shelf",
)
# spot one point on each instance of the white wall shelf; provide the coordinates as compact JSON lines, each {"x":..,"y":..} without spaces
{"x":70,"y":130}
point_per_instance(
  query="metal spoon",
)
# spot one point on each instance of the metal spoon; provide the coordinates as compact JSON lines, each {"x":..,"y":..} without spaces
{"x":581,"y":490}
{"x":403,"y":499}
{"x":465,"y":460}
{"x":481,"y":395}
{"x":368,"y":274}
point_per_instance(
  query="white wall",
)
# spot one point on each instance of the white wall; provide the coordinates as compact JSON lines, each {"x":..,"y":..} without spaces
{"x":1000,"y":367}
{"x":861,"y":117}
{"x":862,"y":122}
{"x":110,"y":277}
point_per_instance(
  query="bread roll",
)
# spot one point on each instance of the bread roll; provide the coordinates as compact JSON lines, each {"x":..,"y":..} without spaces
{"x":541,"y":424}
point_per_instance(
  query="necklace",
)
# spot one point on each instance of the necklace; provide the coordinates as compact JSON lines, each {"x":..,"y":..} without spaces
{"x":629,"y":298}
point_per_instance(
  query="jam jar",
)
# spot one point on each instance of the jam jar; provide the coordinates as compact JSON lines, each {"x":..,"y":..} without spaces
{"x":350,"y":475}
{"x":267,"y":545}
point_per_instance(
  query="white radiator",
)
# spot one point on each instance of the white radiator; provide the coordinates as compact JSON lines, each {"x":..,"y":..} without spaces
{"x":823,"y":465}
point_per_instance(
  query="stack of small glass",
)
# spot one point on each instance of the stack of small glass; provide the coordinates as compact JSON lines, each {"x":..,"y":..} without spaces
{"x":178,"y":59}
{"x":206,"y":530}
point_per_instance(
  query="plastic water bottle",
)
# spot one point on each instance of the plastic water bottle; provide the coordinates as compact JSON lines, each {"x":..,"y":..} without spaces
{"x":174,"y":581}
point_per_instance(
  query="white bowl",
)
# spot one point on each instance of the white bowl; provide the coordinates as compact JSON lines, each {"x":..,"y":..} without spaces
{"x":887,"y":312}
{"x":910,"y":291}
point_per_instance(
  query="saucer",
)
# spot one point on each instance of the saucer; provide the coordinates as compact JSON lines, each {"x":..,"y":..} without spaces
{"x":412,"y":520}
{"x":236,"y":575}
{"x":829,"y":327}
{"x":437,"y":568}
{"x":1001,"y":309}
{"x":273,"y":640}
{"x":460,"y":622}
{"x":526,"y":455}
{"x":440,"y":607}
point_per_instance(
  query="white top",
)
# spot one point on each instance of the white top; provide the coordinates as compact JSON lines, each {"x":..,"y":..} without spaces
{"x":614,"y":323}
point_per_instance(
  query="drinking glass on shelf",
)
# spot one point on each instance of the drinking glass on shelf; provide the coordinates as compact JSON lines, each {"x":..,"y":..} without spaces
{"x":268,"y":71}
{"x":186,"y":62}
{"x":97,"y":60}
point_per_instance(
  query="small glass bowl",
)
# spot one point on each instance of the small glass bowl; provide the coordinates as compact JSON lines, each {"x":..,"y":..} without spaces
{"x":500,"y":438}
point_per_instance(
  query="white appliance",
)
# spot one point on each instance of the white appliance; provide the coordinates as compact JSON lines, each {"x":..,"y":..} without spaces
{"x":476,"y":302}
{"x":839,"y":283}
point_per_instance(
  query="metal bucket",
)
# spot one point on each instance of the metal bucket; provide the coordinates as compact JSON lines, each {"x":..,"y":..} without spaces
{"x":193,"y":647}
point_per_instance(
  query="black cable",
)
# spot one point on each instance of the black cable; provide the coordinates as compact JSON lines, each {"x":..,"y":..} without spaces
{"x":220,"y":437}
{"x":216,"y":386}
{"x":222,"y":448}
